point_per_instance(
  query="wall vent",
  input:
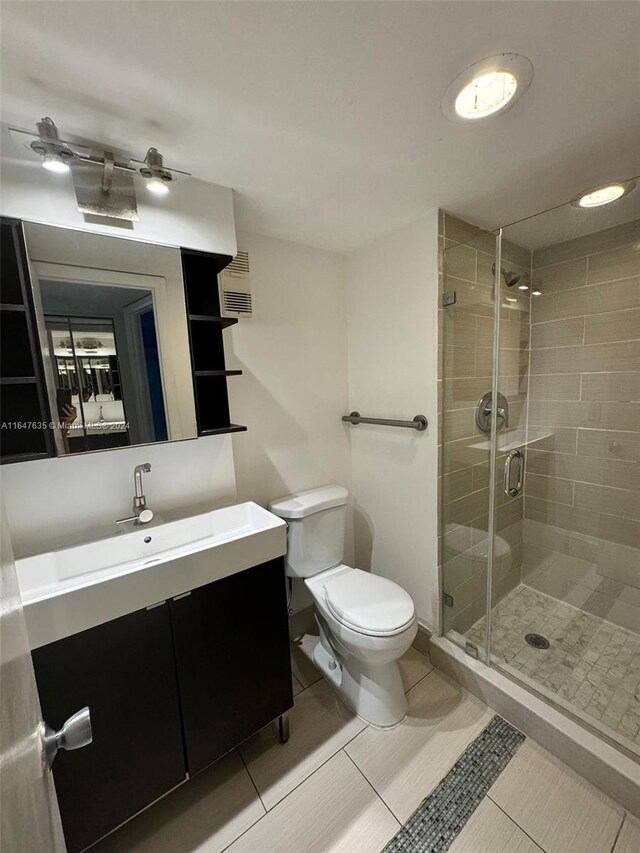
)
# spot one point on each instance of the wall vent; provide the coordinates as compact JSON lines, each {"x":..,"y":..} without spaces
{"x":235,"y":288}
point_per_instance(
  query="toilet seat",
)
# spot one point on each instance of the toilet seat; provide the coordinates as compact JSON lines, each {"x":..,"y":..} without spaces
{"x":369,"y":604}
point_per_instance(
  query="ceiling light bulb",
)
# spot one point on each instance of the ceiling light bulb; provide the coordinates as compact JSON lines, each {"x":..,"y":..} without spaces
{"x":604,"y":195}
{"x":486,"y":94}
{"x":157,"y":186}
{"x":55,"y":164}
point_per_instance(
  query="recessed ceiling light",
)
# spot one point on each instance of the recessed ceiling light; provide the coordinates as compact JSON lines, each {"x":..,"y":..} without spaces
{"x":523,"y":287}
{"x":486,"y":94}
{"x":536,"y":293}
{"x":487,"y":87}
{"x":604,"y":194}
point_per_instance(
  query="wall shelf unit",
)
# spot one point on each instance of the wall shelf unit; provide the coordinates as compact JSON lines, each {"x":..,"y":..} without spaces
{"x":200,"y":273}
{"x":22,"y":393}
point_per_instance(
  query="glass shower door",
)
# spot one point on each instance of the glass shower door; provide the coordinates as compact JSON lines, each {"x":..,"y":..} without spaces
{"x":565,"y":619}
{"x":467,"y":334}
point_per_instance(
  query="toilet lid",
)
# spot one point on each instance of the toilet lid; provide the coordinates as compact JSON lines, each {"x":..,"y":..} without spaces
{"x":368,"y":603}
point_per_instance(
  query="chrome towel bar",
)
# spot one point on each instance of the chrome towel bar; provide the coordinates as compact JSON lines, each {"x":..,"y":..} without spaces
{"x":419,"y":422}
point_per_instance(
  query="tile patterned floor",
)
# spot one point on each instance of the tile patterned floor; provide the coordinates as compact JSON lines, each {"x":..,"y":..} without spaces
{"x":592,"y":663}
{"x":340,"y":786}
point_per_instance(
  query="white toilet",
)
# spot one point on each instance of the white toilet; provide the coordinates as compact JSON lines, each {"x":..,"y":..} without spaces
{"x":366,"y":622}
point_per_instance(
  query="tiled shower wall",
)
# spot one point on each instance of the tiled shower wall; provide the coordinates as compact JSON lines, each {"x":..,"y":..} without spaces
{"x":582,"y":507}
{"x":465,"y":367}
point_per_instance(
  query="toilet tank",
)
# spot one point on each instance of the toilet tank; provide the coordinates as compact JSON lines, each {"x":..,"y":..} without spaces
{"x":316,"y":520}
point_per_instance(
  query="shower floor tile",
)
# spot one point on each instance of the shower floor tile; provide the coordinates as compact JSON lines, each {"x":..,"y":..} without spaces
{"x":591,"y":663}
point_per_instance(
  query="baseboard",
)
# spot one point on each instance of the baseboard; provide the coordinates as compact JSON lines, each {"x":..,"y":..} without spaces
{"x":422,"y":640}
{"x":613,"y":772}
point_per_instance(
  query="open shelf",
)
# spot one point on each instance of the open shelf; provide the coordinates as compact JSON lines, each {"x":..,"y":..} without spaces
{"x":221,"y":430}
{"x":17,"y":380}
{"x":218,"y":373}
{"x":222,"y":322}
{"x":16,"y":358}
{"x":21,"y":406}
{"x":200,"y":273}
{"x":22,"y":457}
{"x":25,"y":407}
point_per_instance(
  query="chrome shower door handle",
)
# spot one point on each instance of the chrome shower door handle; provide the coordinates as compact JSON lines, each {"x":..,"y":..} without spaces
{"x":514,"y":491}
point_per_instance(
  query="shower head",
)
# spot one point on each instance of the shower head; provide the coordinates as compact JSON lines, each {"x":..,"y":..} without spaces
{"x":510,"y":278}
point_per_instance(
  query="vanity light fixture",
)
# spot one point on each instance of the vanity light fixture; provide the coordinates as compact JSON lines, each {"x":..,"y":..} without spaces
{"x":55,"y":154}
{"x":603,"y":194}
{"x":58,"y":155}
{"x":487,"y":87}
{"x":158,"y":178}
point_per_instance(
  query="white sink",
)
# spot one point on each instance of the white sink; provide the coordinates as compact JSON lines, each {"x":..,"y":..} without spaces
{"x":70,"y":590}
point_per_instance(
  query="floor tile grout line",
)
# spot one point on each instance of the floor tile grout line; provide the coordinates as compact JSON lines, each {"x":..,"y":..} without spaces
{"x":615,"y":840}
{"x":421,"y":679}
{"x":333,"y":755}
{"x":288,"y":794}
{"x":506,"y":814}
{"x":246,"y":767}
{"x":377,"y":793}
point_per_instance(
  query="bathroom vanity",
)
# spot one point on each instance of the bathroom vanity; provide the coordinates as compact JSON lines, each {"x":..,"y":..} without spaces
{"x":176,"y":639}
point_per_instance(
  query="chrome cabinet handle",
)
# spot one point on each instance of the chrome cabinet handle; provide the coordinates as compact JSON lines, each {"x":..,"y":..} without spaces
{"x":74,"y":734}
{"x":514,"y":491}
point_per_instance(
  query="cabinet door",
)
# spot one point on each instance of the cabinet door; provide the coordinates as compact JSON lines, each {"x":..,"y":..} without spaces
{"x":231,"y":643}
{"x":124,"y":671}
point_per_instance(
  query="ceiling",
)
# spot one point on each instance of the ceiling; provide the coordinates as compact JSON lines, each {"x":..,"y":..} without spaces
{"x":325,"y":117}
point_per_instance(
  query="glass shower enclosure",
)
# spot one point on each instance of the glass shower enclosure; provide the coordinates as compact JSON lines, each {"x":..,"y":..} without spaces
{"x":540,"y":456}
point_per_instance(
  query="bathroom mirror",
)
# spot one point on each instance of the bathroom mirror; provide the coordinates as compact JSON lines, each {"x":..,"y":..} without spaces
{"x":112,"y":327}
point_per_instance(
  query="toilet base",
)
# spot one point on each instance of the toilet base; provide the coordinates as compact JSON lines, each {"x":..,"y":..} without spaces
{"x":375,"y":693}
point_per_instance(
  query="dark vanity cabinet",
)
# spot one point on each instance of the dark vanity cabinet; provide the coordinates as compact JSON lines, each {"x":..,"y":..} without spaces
{"x":231,"y":643}
{"x":124,"y":671}
{"x":23,"y":402}
{"x":171,"y":688}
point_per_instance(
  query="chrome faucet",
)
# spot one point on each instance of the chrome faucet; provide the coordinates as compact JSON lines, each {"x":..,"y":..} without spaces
{"x":141,"y":513}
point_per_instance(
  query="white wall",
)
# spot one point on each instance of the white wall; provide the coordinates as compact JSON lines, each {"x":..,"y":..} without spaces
{"x":392,"y":287}
{"x":293,"y":352}
{"x":55,"y":502}
{"x":195,"y":214}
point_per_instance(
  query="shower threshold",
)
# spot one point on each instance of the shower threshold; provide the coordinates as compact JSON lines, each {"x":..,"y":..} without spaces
{"x":584,"y":748}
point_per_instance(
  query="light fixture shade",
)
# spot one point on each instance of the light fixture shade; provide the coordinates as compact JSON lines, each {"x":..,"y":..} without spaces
{"x":157,"y":186}
{"x":487,"y":87}
{"x":54,"y":163}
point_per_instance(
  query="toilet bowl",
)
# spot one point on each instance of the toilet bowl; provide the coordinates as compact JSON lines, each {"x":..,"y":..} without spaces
{"x":366,"y":622}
